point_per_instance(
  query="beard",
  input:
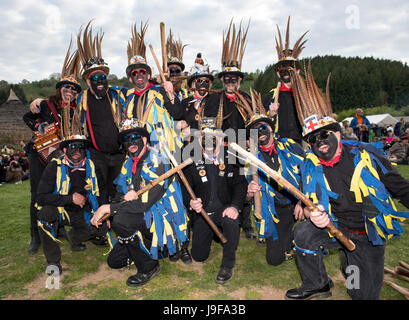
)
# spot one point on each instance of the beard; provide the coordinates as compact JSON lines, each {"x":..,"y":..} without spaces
{"x":100,"y":87}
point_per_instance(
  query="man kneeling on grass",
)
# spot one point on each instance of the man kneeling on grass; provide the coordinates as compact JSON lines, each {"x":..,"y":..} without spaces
{"x":149,"y":227}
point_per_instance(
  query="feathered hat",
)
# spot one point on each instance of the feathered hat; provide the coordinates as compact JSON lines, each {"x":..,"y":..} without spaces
{"x":198,"y":70}
{"x":71,"y":129}
{"x":137,"y":124}
{"x":174,"y":49}
{"x":234,"y":45}
{"x":288,"y":57}
{"x":314,"y":111}
{"x":90,"y":51}
{"x":70,"y":72}
{"x":252,"y":111}
{"x":137,"y":50}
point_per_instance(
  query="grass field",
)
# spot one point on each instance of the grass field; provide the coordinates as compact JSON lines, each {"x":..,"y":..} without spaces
{"x":86,"y":275}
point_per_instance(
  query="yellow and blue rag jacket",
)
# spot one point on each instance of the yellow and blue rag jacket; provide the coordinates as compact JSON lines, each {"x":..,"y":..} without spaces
{"x":166,"y":219}
{"x":289,"y":169}
{"x":159,"y":123}
{"x":365,"y":184}
{"x":62,"y":187}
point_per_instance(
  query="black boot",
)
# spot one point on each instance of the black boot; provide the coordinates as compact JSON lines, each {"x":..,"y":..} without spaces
{"x":224,"y":275}
{"x":35,"y":241}
{"x":185,"y":256}
{"x":302,"y":294}
{"x":142,"y":278}
{"x":75,"y":246}
{"x":100,"y":241}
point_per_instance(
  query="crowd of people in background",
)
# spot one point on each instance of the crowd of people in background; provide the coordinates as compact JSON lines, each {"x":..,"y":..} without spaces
{"x":14,"y":166}
{"x":394,"y":138}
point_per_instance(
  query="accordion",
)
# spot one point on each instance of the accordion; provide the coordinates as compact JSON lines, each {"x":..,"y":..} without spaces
{"x":48,"y":143}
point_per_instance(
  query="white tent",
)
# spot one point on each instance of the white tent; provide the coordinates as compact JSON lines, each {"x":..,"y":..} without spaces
{"x":382,"y":120}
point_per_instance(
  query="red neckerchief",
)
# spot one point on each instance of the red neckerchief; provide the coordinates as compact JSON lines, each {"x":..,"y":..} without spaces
{"x":333,"y":161}
{"x":270,"y":148}
{"x":231,"y":99}
{"x":138,"y":93}
{"x":284,"y":88}
{"x":136,"y":160}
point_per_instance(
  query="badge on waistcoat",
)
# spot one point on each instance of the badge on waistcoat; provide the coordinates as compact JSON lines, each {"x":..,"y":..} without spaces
{"x":202,"y":173}
{"x":197,"y":117}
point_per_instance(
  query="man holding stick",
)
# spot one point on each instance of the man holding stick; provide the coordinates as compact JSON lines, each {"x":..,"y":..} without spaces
{"x":278,"y":205}
{"x":220,"y":191}
{"x":150,"y":225}
{"x":352,"y":185}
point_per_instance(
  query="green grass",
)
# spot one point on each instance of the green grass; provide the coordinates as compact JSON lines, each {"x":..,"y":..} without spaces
{"x":86,"y":275}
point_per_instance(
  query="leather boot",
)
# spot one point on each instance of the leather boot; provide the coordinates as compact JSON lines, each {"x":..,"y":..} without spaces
{"x":35,"y":241}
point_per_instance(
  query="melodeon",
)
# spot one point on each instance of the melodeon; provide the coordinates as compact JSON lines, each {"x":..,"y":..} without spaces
{"x":49,"y":142}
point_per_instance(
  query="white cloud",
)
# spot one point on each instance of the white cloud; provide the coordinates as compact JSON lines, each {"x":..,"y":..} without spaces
{"x":35,"y":33}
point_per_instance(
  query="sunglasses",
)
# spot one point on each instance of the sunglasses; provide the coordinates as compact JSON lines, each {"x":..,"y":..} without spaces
{"x":322,"y":135}
{"x":75,"y":146}
{"x":230,"y":80}
{"x":175,"y":70}
{"x":96,"y":78}
{"x":136,"y":72}
{"x":200,"y":81}
{"x":70,"y":87}
{"x":131,"y":137}
{"x":93,"y":61}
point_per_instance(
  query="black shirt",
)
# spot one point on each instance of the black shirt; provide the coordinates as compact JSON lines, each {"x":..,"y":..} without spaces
{"x":288,"y":124}
{"x":104,"y":129}
{"x":345,"y":208}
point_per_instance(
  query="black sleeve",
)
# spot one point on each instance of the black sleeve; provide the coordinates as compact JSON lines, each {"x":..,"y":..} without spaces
{"x":186,"y":196}
{"x":31,"y":120}
{"x":140,"y":206}
{"x":397,"y":185}
{"x":175,"y":108}
{"x":46,"y":187}
{"x":239,"y":189}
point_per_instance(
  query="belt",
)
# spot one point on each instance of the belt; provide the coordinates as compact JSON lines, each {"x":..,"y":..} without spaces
{"x":362,"y":233}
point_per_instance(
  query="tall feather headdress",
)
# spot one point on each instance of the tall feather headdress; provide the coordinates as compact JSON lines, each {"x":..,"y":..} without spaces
{"x":71,"y":129}
{"x":234,"y":44}
{"x":70,"y":72}
{"x":90,"y":51}
{"x":136,"y":49}
{"x":174,"y":49}
{"x":288,"y":57}
{"x":313,"y":109}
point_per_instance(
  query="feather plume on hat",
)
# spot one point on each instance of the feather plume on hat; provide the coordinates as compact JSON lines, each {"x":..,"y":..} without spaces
{"x":174,"y":49}
{"x":233,"y":48}
{"x":136,"y":49}
{"x":287,"y":56}
{"x":313,"y":109}
{"x":90,"y":51}
{"x":70,"y":72}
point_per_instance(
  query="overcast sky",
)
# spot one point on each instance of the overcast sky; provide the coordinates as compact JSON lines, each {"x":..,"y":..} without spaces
{"x":34,"y":34}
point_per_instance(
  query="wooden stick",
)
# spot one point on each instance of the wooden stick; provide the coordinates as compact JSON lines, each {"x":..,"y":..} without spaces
{"x":396,"y":274}
{"x":398,"y":288}
{"x":206,"y":90}
{"x":156,"y":181}
{"x":193,"y":196}
{"x":163,"y":45}
{"x":257,"y":195}
{"x":170,"y":94}
{"x":403,"y":264}
{"x":277,"y":92}
{"x":310,"y":205}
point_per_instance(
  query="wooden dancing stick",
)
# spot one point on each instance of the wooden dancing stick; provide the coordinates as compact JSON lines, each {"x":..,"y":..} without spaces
{"x":277,"y":92}
{"x":281,"y":180}
{"x":155,"y":182}
{"x":193,"y":196}
{"x":163,"y":47}
{"x":162,"y":75}
{"x":257,"y":195}
{"x":206,"y":90}
{"x":398,"y":288}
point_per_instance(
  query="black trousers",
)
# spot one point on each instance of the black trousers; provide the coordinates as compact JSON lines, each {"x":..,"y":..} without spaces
{"x":125,"y":224}
{"x":245,"y":217}
{"x":107,"y":168}
{"x":362,"y":267}
{"x":276,"y":249}
{"x":202,"y":236}
{"x":79,"y":232}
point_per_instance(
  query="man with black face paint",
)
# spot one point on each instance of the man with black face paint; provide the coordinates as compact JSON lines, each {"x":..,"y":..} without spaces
{"x":67,"y":195}
{"x":353,"y":185}
{"x":220,"y":191}
{"x":287,"y":123}
{"x":138,"y":220}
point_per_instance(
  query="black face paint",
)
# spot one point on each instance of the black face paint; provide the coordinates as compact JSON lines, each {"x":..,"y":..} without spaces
{"x":202,"y":84}
{"x":322,"y":138}
{"x":76,"y":152}
{"x":99,"y":83}
{"x":140,"y":78}
{"x":133,"y":139}
{"x":263,"y":130}
{"x":285,"y":76}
